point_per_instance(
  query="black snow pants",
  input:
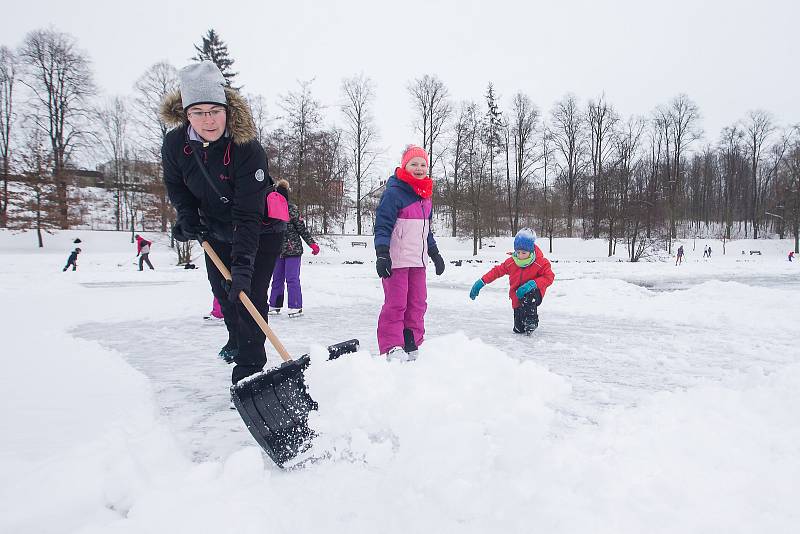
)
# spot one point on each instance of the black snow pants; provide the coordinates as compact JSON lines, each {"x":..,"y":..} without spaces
{"x":526,"y":317}
{"x":145,"y":258}
{"x":243,"y":332}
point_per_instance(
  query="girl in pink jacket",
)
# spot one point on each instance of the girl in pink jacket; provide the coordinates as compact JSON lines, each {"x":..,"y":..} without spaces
{"x":403,"y":241}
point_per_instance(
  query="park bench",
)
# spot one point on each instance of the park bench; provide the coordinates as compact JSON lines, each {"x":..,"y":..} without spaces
{"x":358,"y":244}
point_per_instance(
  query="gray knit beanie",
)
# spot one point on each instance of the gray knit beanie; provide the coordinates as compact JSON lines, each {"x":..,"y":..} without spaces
{"x":202,"y":83}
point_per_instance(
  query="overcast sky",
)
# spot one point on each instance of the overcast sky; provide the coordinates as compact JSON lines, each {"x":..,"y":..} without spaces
{"x":729,"y":56}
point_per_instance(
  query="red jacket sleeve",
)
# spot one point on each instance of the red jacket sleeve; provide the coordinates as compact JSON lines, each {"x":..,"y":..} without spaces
{"x":546,"y":275}
{"x":497,"y":271}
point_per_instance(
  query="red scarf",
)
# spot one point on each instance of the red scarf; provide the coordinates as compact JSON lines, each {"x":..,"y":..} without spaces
{"x":422,"y":186}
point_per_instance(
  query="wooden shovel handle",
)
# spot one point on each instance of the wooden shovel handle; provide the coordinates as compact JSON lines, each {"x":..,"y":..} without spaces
{"x":248,"y":304}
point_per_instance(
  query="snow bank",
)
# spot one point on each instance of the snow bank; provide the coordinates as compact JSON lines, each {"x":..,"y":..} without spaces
{"x":466,"y":447}
{"x":82,"y":436}
{"x":462,"y":407}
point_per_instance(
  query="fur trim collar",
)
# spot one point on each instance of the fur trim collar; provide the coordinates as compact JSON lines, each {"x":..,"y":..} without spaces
{"x":240,"y":122}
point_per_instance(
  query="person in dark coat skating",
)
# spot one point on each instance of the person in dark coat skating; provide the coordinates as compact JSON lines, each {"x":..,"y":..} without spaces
{"x":224,"y":205}
{"x":72,"y":260}
{"x":679,"y":257}
{"x":287,"y":268}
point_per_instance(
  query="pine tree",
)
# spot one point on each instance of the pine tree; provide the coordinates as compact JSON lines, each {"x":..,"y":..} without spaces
{"x":494,"y":120}
{"x":215,"y":50}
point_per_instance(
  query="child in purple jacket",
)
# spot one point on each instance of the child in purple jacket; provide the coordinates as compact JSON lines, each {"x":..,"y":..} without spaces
{"x":403,"y":239}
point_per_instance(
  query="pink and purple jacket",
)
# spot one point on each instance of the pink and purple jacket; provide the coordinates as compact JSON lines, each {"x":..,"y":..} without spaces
{"x":403,"y":223}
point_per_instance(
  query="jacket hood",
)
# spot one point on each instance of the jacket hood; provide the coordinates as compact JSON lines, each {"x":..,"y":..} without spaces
{"x":240,"y":122}
{"x":394,"y":181}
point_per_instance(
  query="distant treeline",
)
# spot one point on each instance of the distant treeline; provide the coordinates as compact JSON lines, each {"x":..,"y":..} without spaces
{"x":578,"y":168}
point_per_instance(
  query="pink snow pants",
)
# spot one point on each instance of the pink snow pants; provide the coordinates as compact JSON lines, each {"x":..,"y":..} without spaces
{"x":405,"y":301}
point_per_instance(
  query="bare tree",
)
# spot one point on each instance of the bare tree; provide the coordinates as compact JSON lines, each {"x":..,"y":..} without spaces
{"x":258,"y":109}
{"x":626,"y":196}
{"x":303,"y":119}
{"x":454,"y":184}
{"x":769,"y":172}
{"x":731,"y":149}
{"x":430,"y":98}
{"x":360,"y":130}
{"x":548,"y":222}
{"x":524,"y":120}
{"x":569,"y":141}
{"x":758,"y":127}
{"x":792,"y":188}
{"x":278,"y":151}
{"x":60,"y":78}
{"x":601,"y":119}
{"x":37,"y":206}
{"x":8,"y":75}
{"x":113,"y":122}
{"x":328,"y":166}
{"x":151,"y":89}
{"x":477,"y":176}
{"x":683,"y":128}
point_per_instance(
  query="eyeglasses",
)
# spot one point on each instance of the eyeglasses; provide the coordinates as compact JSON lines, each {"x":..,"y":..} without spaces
{"x":214,"y":113}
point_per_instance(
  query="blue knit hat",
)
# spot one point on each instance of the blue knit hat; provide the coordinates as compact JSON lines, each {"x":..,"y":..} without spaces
{"x":525,"y":240}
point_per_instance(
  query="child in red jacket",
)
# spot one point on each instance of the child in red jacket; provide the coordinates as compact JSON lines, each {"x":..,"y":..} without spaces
{"x":529,"y":276}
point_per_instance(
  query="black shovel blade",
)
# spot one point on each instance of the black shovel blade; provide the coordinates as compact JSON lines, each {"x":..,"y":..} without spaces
{"x":345,"y":347}
{"x":275,"y":405}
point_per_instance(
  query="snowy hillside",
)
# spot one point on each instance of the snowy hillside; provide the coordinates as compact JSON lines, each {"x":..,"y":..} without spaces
{"x":652,"y":398}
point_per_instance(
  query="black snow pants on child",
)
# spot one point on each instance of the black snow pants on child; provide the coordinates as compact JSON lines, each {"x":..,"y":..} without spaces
{"x":73,"y":261}
{"x":526,"y":318}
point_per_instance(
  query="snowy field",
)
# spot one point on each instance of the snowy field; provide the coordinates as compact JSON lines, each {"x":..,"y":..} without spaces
{"x":652,"y":398}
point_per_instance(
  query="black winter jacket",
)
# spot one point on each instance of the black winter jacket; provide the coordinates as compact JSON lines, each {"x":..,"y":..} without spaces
{"x":296,"y":229}
{"x":237,"y":164}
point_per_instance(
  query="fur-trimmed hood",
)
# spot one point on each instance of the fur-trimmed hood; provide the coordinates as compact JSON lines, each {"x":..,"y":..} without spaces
{"x":240,"y":122}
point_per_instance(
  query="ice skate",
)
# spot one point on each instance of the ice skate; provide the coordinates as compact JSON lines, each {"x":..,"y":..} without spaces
{"x":213,"y":320}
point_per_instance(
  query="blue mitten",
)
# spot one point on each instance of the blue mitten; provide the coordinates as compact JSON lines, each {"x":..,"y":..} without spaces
{"x":523,"y":290}
{"x":476,"y":288}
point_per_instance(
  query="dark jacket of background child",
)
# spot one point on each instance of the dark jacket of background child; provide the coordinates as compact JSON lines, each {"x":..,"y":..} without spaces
{"x":296,"y":233}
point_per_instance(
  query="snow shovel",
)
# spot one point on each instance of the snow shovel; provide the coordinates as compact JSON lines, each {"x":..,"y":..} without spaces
{"x":275,"y":404}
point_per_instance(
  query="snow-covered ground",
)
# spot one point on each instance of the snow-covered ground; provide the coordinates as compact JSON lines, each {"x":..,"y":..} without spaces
{"x":652,"y":398}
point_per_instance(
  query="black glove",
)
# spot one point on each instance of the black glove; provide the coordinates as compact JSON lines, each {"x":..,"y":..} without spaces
{"x":438,"y":262}
{"x":384,"y":262}
{"x":184,"y":230}
{"x":240,"y":282}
